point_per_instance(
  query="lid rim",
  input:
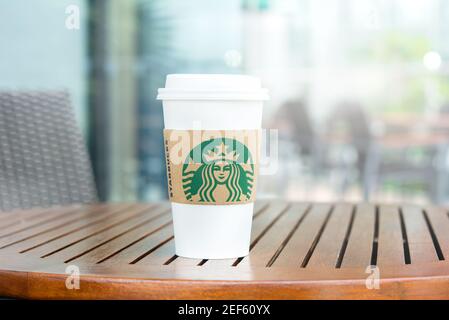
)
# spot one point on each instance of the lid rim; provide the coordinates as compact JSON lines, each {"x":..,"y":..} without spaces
{"x":212,"y":87}
{"x":224,"y":98}
{"x":257,"y":96}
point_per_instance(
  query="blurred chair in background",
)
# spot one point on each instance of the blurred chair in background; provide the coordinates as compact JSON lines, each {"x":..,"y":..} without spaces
{"x":298,"y":145}
{"x":294,"y":123}
{"x":347,"y":143}
{"x":444,"y":110}
{"x":397,"y":156}
{"x":43,"y":159}
{"x":354,"y":160}
{"x":409,"y":160}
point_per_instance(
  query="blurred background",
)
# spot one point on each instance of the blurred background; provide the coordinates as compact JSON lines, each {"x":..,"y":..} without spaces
{"x":359,"y":89}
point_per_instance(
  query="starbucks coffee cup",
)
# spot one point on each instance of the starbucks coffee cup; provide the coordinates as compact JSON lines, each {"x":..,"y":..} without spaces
{"x":212,"y":127}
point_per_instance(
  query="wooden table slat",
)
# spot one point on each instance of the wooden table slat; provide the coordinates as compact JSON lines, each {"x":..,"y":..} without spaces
{"x":273,"y":239}
{"x":32,"y":238}
{"x":87,"y":232}
{"x":330,"y":245}
{"x":144,"y":248}
{"x":419,"y":240}
{"x":80,"y":247}
{"x":360,"y":243}
{"x":7,"y":219}
{"x":300,"y":242}
{"x":26,"y":226}
{"x":439,"y":219}
{"x":161,"y":255}
{"x":110,"y":246}
{"x":390,"y":249}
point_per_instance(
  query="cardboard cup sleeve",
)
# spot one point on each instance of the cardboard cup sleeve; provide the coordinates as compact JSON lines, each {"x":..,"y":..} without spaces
{"x":212,"y":167}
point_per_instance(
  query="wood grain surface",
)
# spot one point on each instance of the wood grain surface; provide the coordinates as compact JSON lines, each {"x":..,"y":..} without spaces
{"x":297,"y":251}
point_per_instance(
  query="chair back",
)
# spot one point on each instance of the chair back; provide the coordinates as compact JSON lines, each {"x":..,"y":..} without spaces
{"x":352,"y":118}
{"x":293,"y":116}
{"x":43,"y":159}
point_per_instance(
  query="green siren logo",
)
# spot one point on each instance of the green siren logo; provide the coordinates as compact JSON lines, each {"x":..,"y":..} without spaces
{"x":218,"y":170}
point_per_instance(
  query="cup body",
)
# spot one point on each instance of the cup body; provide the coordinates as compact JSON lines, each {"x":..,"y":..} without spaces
{"x":209,"y":231}
{"x":212,"y":231}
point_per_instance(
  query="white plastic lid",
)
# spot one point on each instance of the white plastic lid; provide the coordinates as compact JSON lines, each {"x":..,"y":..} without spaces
{"x":212,"y":87}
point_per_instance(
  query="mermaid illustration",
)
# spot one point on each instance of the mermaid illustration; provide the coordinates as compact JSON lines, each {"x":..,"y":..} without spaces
{"x":218,"y":170}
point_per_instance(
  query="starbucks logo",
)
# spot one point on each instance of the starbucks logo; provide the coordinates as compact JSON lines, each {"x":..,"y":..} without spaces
{"x":218,"y":170}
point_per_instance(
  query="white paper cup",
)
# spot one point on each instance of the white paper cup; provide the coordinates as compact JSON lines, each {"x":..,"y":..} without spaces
{"x":212,"y":102}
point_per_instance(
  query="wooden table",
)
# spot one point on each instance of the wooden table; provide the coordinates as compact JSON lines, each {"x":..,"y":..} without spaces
{"x":298,"y":251}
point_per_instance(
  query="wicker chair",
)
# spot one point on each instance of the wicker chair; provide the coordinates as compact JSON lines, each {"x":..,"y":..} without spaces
{"x":43,"y":160}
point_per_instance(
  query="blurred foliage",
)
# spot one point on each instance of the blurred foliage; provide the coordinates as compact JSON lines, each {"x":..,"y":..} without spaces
{"x":443,"y":82}
{"x":395,"y":46}
{"x":390,"y":47}
{"x":412,"y":98}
